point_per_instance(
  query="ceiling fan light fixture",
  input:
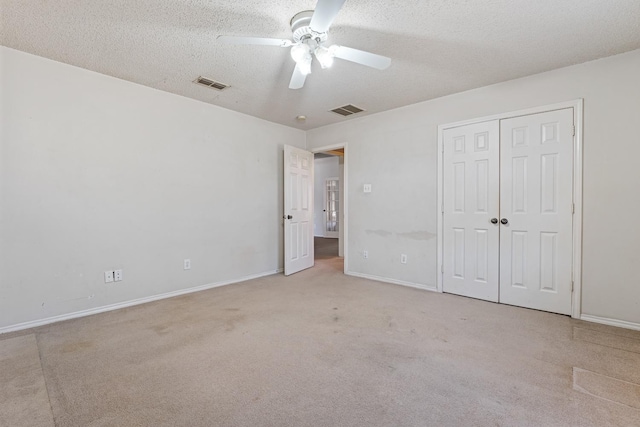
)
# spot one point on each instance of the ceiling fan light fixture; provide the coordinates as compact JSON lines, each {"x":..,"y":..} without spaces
{"x":300,"y":53}
{"x":324,"y":56}
{"x":305,"y":65}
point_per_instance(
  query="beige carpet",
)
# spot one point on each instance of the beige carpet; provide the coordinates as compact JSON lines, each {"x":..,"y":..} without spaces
{"x":23,"y":393}
{"x":322,"y":349}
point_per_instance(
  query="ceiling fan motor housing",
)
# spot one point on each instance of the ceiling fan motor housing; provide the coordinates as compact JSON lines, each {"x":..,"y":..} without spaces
{"x":301,"y":29}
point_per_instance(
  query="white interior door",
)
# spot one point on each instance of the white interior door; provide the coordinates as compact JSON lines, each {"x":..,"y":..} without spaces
{"x":298,"y":209}
{"x":331,"y":207}
{"x":536,"y":203}
{"x":471,"y":201}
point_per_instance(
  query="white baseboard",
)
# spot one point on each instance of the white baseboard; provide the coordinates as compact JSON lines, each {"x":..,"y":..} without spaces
{"x":394,"y":281}
{"x":610,"y":322}
{"x":116,"y":306}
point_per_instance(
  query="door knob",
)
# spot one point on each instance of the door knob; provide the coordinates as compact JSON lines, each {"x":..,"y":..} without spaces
{"x":494,"y":220}
{"x":287,"y":217}
{"x":504,"y":221}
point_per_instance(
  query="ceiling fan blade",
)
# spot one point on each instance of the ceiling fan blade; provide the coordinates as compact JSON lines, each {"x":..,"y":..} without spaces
{"x":361,"y":57}
{"x":254,"y":40}
{"x":326,"y":11}
{"x":297,"y":79}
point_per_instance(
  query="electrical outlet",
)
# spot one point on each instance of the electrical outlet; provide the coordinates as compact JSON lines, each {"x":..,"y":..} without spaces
{"x":365,"y":254}
{"x":367,"y":188}
{"x":403,"y":259}
{"x":117,"y":275}
{"x":187,"y":264}
{"x":108,"y":276}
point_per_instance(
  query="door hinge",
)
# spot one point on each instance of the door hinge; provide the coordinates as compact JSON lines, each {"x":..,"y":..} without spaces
{"x":572,"y":286}
{"x":442,"y":268}
{"x":573,"y":208}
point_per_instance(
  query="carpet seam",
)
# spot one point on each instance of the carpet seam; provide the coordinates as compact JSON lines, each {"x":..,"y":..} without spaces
{"x":603,"y":345}
{"x":605,"y":332}
{"x":44,"y":377}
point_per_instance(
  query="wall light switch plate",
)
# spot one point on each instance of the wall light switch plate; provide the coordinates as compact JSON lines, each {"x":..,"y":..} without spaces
{"x":117,"y":275}
{"x":365,"y":254}
{"x":367,"y":188}
{"x":187,"y":264}
{"x":108,"y":276}
{"x":403,"y":259}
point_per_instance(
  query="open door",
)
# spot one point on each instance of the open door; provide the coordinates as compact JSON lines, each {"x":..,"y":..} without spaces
{"x":298,"y":209}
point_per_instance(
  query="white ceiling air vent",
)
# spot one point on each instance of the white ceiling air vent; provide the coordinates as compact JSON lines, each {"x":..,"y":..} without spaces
{"x":210,"y":83}
{"x":347,"y":110}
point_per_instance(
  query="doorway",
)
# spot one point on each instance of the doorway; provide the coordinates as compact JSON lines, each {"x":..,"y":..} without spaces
{"x":510,"y":197}
{"x":330,"y":165}
{"x":299,"y":208}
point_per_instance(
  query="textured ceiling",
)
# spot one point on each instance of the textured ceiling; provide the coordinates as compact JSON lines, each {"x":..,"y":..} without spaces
{"x":438,"y":47}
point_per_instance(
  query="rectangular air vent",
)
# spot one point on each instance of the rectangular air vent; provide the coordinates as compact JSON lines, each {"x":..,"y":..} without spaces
{"x":347,"y":110}
{"x":210,"y":83}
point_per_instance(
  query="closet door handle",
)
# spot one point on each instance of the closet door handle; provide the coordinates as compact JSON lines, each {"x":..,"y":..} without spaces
{"x":494,"y":220}
{"x":504,"y":221}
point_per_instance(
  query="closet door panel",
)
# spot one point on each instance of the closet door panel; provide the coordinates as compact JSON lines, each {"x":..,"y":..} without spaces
{"x":536,"y":181}
{"x":471,"y":200}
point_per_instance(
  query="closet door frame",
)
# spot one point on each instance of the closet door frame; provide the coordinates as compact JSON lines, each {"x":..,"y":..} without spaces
{"x":577,"y":106}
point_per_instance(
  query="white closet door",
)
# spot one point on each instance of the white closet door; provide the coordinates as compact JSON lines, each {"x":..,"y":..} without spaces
{"x":471,"y":201}
{"x":536,"y":183}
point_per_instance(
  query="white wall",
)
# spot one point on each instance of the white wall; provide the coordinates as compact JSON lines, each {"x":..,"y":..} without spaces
{"x":97,"y":173}
{"x":396,"y":151}
{"x":324,"y":168}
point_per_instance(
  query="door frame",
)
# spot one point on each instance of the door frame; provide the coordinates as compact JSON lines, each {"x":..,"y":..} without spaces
{"x":577,"y":105}
{"x":345,"y":207}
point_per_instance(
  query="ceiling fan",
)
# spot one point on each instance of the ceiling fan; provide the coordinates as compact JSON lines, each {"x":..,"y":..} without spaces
{"x":309,"y":34}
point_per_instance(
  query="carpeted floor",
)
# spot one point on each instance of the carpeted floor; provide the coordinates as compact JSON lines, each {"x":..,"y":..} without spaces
{"x":321,"y":349}
{"x":325,"y":248}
